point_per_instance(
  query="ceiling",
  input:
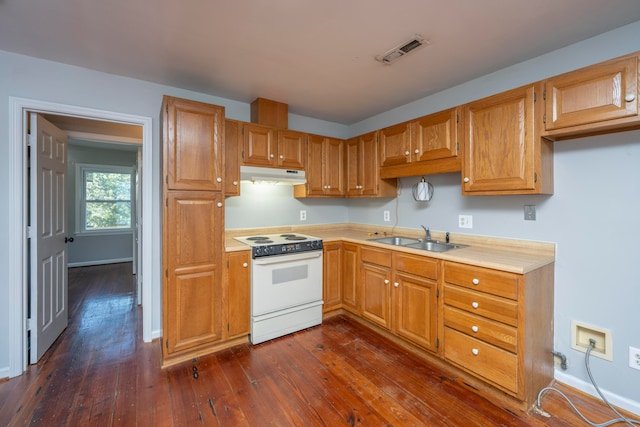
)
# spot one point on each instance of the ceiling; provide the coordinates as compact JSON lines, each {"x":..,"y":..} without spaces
{"x":316,"y":56}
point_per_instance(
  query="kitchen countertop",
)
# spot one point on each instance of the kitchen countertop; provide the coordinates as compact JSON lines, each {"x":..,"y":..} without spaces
{"x":515,"y":256}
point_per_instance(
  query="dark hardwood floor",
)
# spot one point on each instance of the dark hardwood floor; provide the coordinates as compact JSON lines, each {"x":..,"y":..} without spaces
{"x":99,"y":372}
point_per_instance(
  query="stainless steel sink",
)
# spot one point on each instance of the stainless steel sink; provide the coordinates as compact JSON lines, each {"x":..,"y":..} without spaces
{"x":434,"y":246}
{"x":396,"y":240}
{"x":410,"y":242}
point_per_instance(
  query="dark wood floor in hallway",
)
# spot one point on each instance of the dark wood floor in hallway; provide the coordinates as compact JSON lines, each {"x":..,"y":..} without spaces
{"x":100,"y":373}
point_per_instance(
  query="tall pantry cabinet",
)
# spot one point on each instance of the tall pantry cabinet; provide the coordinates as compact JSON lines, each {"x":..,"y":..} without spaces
{"x":193,"y":224}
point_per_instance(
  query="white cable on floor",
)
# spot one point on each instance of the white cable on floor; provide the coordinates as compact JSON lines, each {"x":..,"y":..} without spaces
{"x":622,"y":418}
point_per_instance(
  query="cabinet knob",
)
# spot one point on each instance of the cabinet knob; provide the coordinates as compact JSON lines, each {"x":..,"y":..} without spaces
{"x":271,"y":156}
{"x":474,"y":328}
{"x":416,"y":151}
{"x":474,"y":351}
{"x":475,"y":304}
{"x":219,"y":179}
{"x":281,"y":156}
{"x":466,"y":179}
{"x":219,"y":204}
{"x":235,"y":183}
{"x":386,"y":281}
{"x":630,"y":97}
{"x":245,"y":265}
{"x":396,"y":284}
{"x":475,"y":281}
{"x":406,"y":153}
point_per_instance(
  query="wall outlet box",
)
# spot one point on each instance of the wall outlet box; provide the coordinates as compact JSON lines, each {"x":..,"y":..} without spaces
{"x":581,"y":333}
{"x":303,"y":215}
{"x":387,"y":216}
{"x":465,"y":221}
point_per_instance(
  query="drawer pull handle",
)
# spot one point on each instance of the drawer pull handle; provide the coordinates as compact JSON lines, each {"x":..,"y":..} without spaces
{"x":475,"y":281}
{"x":474,"y":328}
{"x":474,"y":351}
{"x":245,"y":265}
{"x":475,"y":304}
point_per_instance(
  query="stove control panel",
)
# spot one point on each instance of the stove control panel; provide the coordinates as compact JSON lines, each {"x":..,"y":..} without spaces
{"x":286,"y":248}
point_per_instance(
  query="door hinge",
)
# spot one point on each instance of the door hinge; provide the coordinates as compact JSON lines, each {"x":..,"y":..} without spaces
{"x":228,"y":327}
{"x":166,"y":179}
{"x":437,"y":293}
{"x":28,"y":232}
{"x":544,"y":95}
{"x":437,"y":342}
{"x":166,"y":273}
{"x":166,"y":202}
{"x":535,"y":97}
{"x":30,"y":324}
{"x":457,"y":147}
{"x":166,"y":108}
{"x":30,"y":140}
{"x":544,"y":118}
{"x":535,"y":177}
{"x":457,"y":118}
{"x":166,"y":343}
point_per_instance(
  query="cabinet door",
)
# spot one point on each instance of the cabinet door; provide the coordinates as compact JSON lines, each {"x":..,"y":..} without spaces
{"x":334,"y":167}
{"x":315,"y":166}
{"x":369,"y":164}
{"x":376,"y":294}
{"x":258,"y":147}
{"x":193,"y":134}
{"x":594,"y":94}
{"x":416,"y":303}
{"x":354,"y":156}
{"x":332,"y":278}
{"x":192,"y":239}
{"x":292,"y":149}
{"x":500,"y":150}
{"x":350,"y":278}
{"x":238,"y":290}
{"x":435,"y":136}
{"x":233,"y":152}
{"x":395,"y":145}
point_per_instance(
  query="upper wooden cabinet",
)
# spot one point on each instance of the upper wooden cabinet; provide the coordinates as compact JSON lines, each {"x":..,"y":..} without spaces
{"x":422,"y":146}
{"x":264,"y":146}
{"x":362,"y":168}
{"x":193,"y":135}
{"x":233,"y":155}
{"x":600,"y":97}
{"x":504,"y":153}
{"x":324,"y":168}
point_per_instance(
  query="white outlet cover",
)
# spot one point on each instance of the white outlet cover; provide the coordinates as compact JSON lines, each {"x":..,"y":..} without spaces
{"x":634,"y":358}
{"x":303,"y":215}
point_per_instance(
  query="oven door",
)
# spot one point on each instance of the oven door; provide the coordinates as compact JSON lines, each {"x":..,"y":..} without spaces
{"x":284,"y":281}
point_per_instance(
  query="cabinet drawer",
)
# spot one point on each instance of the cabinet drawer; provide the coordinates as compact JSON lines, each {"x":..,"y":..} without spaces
{"x":375,"y":256}
{"x":484,"y":360}
{"x":482,"y":279}
{"x":420,"y":266}
{"x":491,"y":332}
{"x":492,"y":307}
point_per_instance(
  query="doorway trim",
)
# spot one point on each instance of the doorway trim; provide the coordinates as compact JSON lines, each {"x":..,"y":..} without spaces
{"x":18,"y":185}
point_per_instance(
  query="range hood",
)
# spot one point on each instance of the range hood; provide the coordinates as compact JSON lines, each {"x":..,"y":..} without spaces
{"x":272,"y":175}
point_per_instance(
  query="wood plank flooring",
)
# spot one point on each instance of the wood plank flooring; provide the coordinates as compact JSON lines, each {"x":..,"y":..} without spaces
{"x":100,"y":373}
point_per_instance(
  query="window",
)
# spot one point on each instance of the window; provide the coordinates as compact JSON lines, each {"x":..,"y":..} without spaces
{"x":105,"y":196}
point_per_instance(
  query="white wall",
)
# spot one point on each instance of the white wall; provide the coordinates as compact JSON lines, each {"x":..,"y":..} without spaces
{"x":596,"y":192}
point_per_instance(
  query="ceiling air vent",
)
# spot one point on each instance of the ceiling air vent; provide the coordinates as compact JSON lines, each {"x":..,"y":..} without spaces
{"x":402,"y":49}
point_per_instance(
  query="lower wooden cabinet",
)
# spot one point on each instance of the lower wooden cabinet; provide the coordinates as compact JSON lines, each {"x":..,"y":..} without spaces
{"x":375,"y":285}
{"x":498,"y":326}
{"x":351,"y":277}
{"x":332,"y":277}
{"x":237,"y":291}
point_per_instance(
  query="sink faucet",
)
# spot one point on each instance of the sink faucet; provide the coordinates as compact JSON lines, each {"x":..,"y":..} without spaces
{"x":427,"y":232}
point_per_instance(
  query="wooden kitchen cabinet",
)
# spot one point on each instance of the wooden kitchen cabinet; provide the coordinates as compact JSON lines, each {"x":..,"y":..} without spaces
{"x":324,"y":168}
{"x":422,"y":146}
{"x":375,"y":285}
{"x":265,"y":146}
{"x":415,"y":299}
{"x":237,"y":290}
{"x":596,"y":98}
{"x":504,"y":153}
{"x":233,"y":157}
{"x":192,"y":291}
{"x":363,"y":170}
{"x":498,"y":326}
{"x":351,"y":277}
{"x":193,"y":134}
{"x":332,"y":277}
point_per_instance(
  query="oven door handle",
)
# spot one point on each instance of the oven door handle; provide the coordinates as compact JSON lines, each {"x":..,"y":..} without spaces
{"x":268,"y":260}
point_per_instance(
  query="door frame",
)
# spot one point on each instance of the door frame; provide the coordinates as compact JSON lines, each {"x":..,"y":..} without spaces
{"x":18,"y":185}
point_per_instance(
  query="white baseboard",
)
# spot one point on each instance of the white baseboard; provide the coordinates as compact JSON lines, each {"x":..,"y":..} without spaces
{"x":99,"y":262}
{"x":587,"y":387}
{"x":4,"y":372}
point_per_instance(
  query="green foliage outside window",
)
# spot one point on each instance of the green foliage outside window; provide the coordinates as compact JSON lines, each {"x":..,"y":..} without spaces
{"x":107,"y":197}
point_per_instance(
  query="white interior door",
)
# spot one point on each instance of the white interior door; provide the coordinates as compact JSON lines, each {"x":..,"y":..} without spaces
{"x":137,"y":254}
{"x":48,"y":279}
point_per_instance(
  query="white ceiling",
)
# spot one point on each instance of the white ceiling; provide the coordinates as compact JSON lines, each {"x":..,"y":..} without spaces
{"x":315,"y":55}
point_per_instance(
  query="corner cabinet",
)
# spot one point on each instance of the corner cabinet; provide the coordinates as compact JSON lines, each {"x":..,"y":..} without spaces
{"x":363,"y":169}
{"x":503,"y":150}
{"x":192,"y":226}
{"x":332,"y":277}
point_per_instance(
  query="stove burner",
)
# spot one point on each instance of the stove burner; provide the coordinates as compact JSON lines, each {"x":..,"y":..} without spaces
{"x":294,"y":237}
{"x":258,"y":238}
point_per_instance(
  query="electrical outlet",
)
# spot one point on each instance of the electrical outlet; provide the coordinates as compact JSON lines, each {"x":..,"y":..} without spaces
{"x":303,"y":215}
{"x":387,"y":216}
{"x":530,"y":212}
{"x":634,"y":358}
{"x":465,"y":221}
